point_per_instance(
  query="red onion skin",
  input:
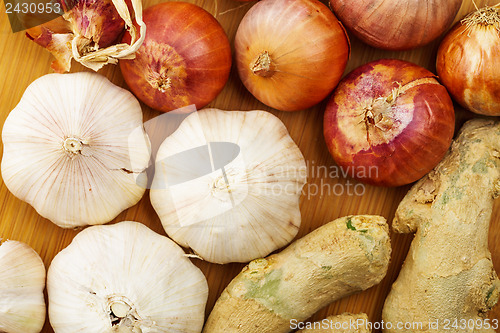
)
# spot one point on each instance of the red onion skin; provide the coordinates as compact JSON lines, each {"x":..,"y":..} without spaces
{"x":57,"y":26}
{"x":396,"y":24}
{"x":308,"y":48}
{"x":422,"y":125}
{"x":185,"y":45}
{"x":468,"y":64}
{"x":95,"y":22}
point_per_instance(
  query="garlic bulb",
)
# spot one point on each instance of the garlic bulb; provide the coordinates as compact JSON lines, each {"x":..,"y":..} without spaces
{"x":22,"y":280}
{"x":125,"y":278}
{"x":227,"y":185}
{"x":74,"y":148}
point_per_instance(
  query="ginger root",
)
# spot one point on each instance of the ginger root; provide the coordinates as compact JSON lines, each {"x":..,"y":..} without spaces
{"x":345,"y":256}
{"x":448,"y":274}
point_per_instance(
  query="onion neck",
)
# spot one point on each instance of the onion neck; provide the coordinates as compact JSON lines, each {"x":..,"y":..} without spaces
{"x":381,"y":120}
{"x":379,"y":114}
{"x":85,"y":45}
{"x":161,"y":82}
{"x":164,"y":84}
{"x":263,"y":65}
{"x":486,"y":16}
{"x":164,"y":69}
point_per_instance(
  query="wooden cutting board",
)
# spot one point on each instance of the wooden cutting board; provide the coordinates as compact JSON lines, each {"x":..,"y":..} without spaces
{"x":22,"y":61}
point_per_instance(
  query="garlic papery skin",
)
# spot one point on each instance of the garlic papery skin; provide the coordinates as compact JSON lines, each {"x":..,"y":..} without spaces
{"x":75,"y":149}
{"x":227,"y":184}
{"x":22,"y":280}
{"x":125,"y":278}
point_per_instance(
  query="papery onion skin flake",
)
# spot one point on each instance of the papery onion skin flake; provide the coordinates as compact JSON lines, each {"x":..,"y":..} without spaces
{"x":88,"y":31}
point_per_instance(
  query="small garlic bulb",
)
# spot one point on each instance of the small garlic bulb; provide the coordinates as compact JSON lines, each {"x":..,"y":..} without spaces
{"x":125,"y":278}
{"x":227,"y":185}
{"x":74,"y":147}
{"x":22,"y":280}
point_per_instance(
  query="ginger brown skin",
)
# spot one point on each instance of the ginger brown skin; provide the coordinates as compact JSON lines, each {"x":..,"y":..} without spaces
{"x":448,"y":273}
{"x":342,"y":257}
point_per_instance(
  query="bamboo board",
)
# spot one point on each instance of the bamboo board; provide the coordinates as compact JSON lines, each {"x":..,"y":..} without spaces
{"x":22,"y":61}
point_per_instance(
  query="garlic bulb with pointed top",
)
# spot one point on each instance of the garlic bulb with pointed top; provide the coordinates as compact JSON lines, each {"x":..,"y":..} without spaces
{"x":125,"y":278}
{"x":74,"y":147}
{"x":22,"y":280}
{"x":227,"y":184}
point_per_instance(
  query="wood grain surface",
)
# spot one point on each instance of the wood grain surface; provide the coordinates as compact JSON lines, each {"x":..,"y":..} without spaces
{"x":22,"y":61}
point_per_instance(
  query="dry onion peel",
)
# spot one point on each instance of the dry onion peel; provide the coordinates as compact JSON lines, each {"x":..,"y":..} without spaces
{"x":66,"y":38}
{"x":110,"y":55}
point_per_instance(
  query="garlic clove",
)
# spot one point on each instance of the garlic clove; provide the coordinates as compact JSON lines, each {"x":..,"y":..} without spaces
{"x":74,"y":148}
{"x":231,"y":204}
{"x":125,"y":278}
{"x":22,"y":280}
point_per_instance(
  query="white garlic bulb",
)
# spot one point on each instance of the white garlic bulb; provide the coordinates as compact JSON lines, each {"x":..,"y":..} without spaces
{"x":74,"y":147}
{"x":227,"y":184}
{"x":125,"y":278}
{"x":22,"y":280}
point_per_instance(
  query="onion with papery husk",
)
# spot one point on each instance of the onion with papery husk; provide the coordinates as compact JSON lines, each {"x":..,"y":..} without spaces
{"x":396,"y":24}
{"x":87,"y":32}
{"x":389,"y":122}
{"x":468,"y":61}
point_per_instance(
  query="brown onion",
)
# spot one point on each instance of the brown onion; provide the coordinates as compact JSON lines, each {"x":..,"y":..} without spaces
{"x":87,"y":32}
{"x":468,"y":61}
{"x":290,"y":53}
{"x":389,"y":123}
{"x":185,"y":58}
{"x":396,"y":24}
